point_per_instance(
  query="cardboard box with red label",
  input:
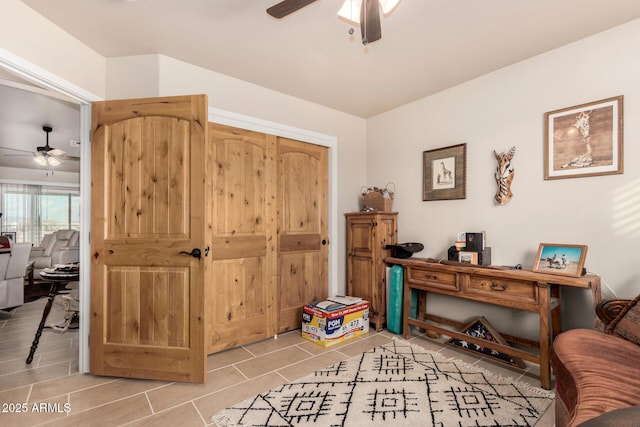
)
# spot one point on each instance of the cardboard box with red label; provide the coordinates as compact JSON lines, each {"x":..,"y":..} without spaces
{"x":328,"y":328}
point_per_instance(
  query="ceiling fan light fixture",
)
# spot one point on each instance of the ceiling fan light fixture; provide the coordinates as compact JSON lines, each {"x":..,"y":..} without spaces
{"x":350,"y":10}
{"x":388,"y":6}
{"x":53,"y":161}
{"x":40,"y":159}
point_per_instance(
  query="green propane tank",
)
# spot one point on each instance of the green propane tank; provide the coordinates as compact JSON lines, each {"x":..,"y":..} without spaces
{"x":394,"y":309}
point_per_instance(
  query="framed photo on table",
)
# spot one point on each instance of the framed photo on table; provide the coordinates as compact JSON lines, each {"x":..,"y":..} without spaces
{"x":560,"y":259}
{"x":444,"y":173}
{"x":584,"y":140}
{"x":468,"y":257}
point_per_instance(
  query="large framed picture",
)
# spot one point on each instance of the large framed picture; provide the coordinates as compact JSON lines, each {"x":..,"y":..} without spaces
{"x":564,"y":260}
{"x":584,"y":140}
{"x":444,"y":173}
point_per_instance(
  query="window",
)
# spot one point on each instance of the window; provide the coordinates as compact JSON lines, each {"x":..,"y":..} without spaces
{"x":31,"y":211}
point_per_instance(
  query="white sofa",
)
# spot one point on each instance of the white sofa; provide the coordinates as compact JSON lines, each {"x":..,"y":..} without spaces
{"x":59,"y":247}
{"x":13,"y":266}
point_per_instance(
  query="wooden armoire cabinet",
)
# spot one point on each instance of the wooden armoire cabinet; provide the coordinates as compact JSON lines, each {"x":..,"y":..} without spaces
{"x":367,"y":235}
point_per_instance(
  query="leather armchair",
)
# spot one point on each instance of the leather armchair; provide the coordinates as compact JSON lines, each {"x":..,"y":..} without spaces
{"x":13,"y":266}
{"x":44,"y":246}
{"x":597,"y":375}
{"x":60,"y":247}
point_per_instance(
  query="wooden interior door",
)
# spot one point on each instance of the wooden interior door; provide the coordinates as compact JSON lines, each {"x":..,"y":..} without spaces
{"x":147,"y":295}
{"x":242,"y":210}
{"x":302,"y":229}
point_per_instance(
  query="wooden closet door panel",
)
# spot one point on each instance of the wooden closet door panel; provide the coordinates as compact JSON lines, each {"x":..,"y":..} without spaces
{"x":147,"y":298}
{"x":302,"y":229}
{"x":241,"y":218}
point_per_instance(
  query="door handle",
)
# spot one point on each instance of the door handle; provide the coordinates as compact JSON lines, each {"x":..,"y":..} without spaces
{"x":195,"y":252}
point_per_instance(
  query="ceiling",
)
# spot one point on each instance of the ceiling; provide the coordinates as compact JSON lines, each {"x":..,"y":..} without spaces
{"x":24,"y":109}
{"x":427,"y":46}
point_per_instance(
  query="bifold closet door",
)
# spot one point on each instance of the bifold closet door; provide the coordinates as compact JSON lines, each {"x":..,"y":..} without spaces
{"x":303,"y":240}
{"x":241,"y":209}
{"x":267,"y":211}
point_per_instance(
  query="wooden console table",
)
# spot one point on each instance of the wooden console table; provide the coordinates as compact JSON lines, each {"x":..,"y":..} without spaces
{"x":516,"y":289}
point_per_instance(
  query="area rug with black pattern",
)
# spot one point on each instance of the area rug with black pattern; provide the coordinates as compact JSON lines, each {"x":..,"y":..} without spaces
{"x":397,"y":384}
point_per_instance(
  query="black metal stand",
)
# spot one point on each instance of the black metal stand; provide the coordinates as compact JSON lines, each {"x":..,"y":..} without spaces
{"x":58,"y":281}
{"x":53,"y":291}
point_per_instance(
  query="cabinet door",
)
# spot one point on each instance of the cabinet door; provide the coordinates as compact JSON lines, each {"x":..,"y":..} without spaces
{"x":241,"y":218}
{"x":360,"y":236}
{"x":302,"y":229}
{"x":367,"y":236}
{"x":385,"y":234}
{"x":147,"y":298}
{"x":361,"y":270}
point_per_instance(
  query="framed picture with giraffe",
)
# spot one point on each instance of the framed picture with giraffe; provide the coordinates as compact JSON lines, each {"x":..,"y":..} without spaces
{"x":444,"y":173}
{"x":584,"y":140}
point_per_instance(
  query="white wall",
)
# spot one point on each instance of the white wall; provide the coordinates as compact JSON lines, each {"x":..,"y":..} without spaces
{"x":133,"y":77}
{"x":504,"y":109}
{"x":35,"y":39}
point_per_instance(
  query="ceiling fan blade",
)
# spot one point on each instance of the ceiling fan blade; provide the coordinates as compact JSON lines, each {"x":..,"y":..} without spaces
{"x":72,"y":158}
{"x":286,"y":7}
{"x":56,"y":152}
{"x":15,"y":149}
{"x":370,"y":21}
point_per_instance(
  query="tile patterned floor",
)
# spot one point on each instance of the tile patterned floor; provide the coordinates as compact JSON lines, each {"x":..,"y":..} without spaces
{"x":234,"y":375}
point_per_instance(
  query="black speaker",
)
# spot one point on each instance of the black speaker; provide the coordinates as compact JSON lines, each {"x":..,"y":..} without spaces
{"x":475,"y":242}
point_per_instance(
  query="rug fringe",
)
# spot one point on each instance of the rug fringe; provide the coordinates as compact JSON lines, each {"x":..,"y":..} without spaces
{"x":549,"y":394}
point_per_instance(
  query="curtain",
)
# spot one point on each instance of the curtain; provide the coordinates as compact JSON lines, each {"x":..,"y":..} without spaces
{"x":20,"y":211}
{"x":31,"y":211}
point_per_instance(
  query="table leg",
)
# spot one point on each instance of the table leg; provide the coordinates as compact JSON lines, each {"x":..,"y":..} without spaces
{"x":545,"y":344}
{"x":556,"y":313}
{"x":422,"y":310}
{"x":47,"y":308}
{"x":406,"y":308}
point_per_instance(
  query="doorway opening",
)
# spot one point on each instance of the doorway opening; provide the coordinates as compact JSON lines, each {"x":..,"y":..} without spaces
{"x":18,"y":72}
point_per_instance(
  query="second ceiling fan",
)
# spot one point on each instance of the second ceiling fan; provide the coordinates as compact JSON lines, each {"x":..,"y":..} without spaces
{"x":45,"y":155}
{"x":363,"y":12}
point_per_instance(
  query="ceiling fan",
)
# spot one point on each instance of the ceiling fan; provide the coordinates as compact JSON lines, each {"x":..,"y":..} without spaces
{"x":363,"y":12}
{"x":46,"y":155}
